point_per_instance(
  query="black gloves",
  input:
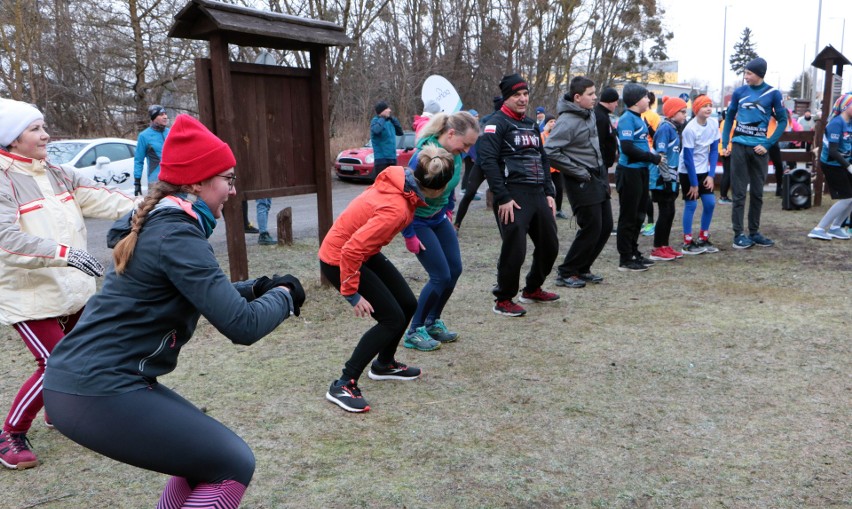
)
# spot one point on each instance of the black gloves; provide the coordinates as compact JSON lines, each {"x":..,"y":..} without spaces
{"x":85,"y":262}
{"x":297,"y":293}
{"x":137,"y":187}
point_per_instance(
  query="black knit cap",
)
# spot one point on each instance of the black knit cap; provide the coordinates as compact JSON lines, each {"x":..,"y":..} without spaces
{"x":381,"y":106}
{"x":511,"y":84}
{"x":609,"y":95}
{"x":498,"y":102}
{"x":633,"y":93}
{"x":155,"y":110}
{"x":757,"y":66}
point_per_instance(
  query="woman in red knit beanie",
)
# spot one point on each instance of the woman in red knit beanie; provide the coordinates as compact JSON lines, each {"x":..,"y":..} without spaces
{"x":101,"y":385}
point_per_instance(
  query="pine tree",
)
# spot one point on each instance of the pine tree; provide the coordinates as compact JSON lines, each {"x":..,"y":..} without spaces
{"x":744,"y":52}
{"x":801,"y":86}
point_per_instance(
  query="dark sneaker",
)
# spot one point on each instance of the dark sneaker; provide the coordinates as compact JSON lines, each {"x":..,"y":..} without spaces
{"x":591,"y":278}
{"x":419,"y":339}
{"x":250,"y":228}
{"x":707,"y":245}
{"x":742,"y":241}
{"x":632,"y":266}
{"x":561,"y":214}
{"x":761,"y":241}
{"x":393,"y":371}
{"x":347,"y":396}
{"x":644,"y":261}
{"x":439,"y":332}
{"x":15,"y":451}
{"x":538,"y":295}
{"x":508,"y":308}
{"x":265,"y":239}
{"x":692,"y":248}
{"x":570,"y":282}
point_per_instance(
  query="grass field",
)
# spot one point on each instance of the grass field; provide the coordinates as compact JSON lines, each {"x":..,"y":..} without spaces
{"x":715,"y":381}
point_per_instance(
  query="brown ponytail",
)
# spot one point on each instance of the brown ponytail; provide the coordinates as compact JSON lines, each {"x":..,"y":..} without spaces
{"x":123,"y":251}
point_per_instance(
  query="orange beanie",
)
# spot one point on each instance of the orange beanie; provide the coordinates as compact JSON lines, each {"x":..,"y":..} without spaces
{"x":700,"y":102}
{"x":671,"y":105}
{"x":192,"y":154}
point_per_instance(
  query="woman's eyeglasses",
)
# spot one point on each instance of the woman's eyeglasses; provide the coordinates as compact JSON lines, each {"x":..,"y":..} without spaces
{"x":231,"y":179}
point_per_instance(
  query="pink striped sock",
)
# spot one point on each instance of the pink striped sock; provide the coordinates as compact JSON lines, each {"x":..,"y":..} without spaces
{"x":176,"y":492}
{"x":223,"y":495}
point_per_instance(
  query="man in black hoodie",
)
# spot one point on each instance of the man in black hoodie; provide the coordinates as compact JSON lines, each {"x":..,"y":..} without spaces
{"x":512,"y":157}
{"x":573,"y":149}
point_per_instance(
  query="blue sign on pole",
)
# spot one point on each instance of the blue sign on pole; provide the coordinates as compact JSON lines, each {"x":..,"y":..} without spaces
{"x":684,"y":96}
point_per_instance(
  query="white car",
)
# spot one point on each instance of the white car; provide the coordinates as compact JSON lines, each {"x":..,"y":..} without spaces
{"x":105,"y":160}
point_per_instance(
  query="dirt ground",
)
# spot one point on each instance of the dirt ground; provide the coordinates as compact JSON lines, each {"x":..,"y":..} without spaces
{"x":714,"y":381}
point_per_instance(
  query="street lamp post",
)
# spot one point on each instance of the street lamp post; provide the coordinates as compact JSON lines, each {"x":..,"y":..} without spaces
{"x":724,"y":44}
{"x":816,"y":52}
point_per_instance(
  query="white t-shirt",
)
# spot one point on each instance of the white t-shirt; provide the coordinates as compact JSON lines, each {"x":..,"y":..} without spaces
{"x":701,"y":139}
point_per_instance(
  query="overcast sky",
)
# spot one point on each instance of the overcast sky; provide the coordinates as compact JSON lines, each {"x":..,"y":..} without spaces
{"x":783,"y":30}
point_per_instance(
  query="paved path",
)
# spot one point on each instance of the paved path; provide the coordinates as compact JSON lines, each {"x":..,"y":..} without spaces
{"x":304,"y":219}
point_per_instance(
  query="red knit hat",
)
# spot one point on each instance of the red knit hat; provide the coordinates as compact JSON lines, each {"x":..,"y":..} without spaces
{"x":192,"y":154}
{"x":671,"y":105}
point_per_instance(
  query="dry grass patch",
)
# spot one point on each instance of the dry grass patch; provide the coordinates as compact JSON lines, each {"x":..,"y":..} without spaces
{"x":715,"y":381}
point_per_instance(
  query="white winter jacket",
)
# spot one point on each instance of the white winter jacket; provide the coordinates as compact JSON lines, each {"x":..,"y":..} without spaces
{"x":41,"y":216}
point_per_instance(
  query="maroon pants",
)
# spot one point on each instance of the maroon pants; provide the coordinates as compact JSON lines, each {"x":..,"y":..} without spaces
{"x":40,"y":336}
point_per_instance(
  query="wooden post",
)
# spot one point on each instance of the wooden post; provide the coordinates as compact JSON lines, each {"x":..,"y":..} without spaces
{"x":285,"y":227}
{"x":322,"y":146}
{"x":220,"y":70}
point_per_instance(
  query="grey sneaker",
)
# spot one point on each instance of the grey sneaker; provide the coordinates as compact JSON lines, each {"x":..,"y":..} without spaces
{"x":742,"y":241}
{"x":760,"y":240}
{"x":819,"y":233}
{"x":692,"y":249}
{"x":707,"y":245}
{"x":439,"y":332}
{"x":838,"y":233}
{"x":419,"y":339}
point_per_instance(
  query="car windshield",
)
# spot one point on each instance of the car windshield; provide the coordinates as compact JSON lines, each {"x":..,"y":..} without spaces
{"x":61,"y":153}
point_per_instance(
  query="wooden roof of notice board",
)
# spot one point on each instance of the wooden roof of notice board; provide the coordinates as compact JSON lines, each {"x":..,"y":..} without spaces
{"x":829,"y":53}
{"x":243,"y":26}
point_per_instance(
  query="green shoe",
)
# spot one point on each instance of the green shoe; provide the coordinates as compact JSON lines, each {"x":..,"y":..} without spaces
{"x":420,"y":340}
{"x":439,"y":332}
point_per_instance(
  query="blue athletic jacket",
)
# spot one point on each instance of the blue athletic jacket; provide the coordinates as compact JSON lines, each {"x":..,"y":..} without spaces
{"x":149,"y":144}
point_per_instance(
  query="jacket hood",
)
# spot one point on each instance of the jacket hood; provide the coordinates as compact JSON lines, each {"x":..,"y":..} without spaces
{"x":393,"y":181}
{"x":121,"y":228}
{"x":566,"y":106}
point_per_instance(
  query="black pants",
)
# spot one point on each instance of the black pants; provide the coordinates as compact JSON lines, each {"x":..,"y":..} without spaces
{"x":556,"y":177}
{"x":666,"y":204}
{"x":778,"y":164}
{"x":468,"y":166}
{"x":649,"y":212}
{"x":393,"y":306}
{"x":476,"y":178}
{"x":156,"y":429}
{"x":725,"y":185}
{"x":748,"y":174}
{"x":536,"y":219}
{"x":380,"y":165}
{"x":595,"y":225}
{"x":632,"y":187}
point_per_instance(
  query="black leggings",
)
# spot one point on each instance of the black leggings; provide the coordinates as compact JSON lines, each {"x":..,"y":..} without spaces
{"x":477,"y":177}
{"x":393,"y":306}
{"x":156,"y":429}
{"x":556,"y":177}
{"x":666,"y":203}
{"x":725,"y":186}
